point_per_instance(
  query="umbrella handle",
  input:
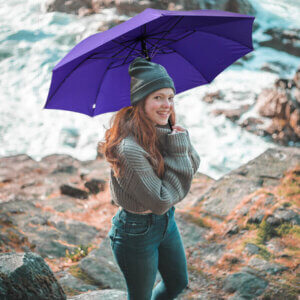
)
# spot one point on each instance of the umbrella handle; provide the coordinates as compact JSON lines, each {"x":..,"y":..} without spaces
{"x":170,"y":124}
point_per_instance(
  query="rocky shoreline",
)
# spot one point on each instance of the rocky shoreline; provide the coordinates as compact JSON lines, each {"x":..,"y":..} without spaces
{"x":239,"y":231}
{"x":276,"y":111}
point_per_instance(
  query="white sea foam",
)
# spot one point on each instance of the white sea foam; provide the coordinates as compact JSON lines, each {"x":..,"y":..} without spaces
{"x":33,"y":41}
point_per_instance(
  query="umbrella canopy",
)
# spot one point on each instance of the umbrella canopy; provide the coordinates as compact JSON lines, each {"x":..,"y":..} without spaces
{"x":194,"y":47}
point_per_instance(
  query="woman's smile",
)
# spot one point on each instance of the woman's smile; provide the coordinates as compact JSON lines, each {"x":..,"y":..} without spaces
{"x":159,"y":105}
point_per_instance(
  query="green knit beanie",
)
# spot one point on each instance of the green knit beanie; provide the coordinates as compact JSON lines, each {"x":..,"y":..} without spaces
{"x":147,"y":77}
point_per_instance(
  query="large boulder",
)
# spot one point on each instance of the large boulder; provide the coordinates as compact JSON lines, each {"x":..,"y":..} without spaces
{"x":27,"y":276}
{"x":265,"y":170}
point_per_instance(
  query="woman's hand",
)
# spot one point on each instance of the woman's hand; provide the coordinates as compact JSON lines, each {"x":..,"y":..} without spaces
{"x":177,"y":128}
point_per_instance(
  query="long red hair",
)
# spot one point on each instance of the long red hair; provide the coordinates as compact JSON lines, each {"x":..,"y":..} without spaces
{"x":133,"y":119}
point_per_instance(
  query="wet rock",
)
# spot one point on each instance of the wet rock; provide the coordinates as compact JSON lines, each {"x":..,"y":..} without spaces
{"x":279,"y":112}
{"x":245,"y":285}
{"x":73,"y":191}
{"x":72,"y":7}
{"x":131,"y":8}
{"x":210,"y":97}
{"x":252,"y":124}
{"x":27,"y":276}
{"x":284,"y":40}
{"x":231,"y":114}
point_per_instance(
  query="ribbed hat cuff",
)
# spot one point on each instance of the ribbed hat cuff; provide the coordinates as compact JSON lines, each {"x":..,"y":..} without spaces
{"x":146,"y":89}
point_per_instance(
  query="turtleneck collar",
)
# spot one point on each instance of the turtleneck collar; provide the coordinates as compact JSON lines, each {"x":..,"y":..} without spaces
{"x":162,"y":131}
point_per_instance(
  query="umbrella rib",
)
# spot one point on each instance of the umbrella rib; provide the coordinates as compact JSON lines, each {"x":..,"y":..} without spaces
{"x":127,"y":47}
{"x":176,"y":40}
{"x":157,"y":49}
{"x":129,"y":54}
{"x":168,"y":31}
{"x":191,"y":64}
{"x":224,"y":37}
{"x":95,"y":102}
{"x":60,"y":84}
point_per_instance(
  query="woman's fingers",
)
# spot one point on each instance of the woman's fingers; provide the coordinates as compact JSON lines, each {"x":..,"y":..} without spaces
{"x":178,"y":128}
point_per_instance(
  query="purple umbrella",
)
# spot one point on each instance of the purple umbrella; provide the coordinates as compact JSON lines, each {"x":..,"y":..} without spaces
{"x":194,"y":47}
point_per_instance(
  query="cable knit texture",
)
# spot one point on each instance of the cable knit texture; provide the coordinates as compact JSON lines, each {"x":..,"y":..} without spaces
{"x":140,"y":188}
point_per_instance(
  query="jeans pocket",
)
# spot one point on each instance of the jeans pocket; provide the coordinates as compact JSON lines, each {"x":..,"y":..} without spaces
{"x":136,"y":228}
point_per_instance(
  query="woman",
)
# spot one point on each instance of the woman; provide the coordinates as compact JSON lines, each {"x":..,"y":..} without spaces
{"x":152,"y":170}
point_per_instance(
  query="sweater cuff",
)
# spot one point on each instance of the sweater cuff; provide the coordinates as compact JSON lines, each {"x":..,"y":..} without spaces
{"x":177,"y":142}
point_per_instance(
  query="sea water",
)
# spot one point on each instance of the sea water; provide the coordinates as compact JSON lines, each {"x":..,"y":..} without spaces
{"x":33,"y":41}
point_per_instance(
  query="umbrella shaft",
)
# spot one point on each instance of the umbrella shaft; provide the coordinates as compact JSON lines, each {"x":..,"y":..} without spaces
{"x":145,"y":51}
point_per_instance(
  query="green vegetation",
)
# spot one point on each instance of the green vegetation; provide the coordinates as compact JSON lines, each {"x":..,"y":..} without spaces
{"x":79,"y":252}
{"x":265,"y":232}
{"x":77,"y":272}
{"x":196,"y":220}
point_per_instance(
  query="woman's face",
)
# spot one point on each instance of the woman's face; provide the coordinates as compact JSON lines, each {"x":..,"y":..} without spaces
{"x":159,"y":104}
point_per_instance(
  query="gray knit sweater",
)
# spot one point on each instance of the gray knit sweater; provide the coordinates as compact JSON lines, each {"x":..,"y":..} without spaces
{"x":140,"y":188}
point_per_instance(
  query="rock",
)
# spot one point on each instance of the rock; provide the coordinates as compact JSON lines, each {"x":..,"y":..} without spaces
{"x":210,"y":97}
{"x":73,"y":284}
{"x":245,"y":284}
{"x":27,"y":276}
{"x":102,"y":295}
{"x":73,"y":191}
{"x":232,"y":114}
{"x":95,"y":185}
{"x":69,"y":232}
{"x":266,"y":267}
{"x":233,"y":229}
{"x":190,"y":232}
{"x":68,"y":6}
{"x":275,"y":245}
{"x":65,"y":169}
{"x":280,"y":108}
{"x":252,"y":125}
{"x":130,"y":8}
{"x":211,"y":253}
{"x":287,"y":215}
{"x":100,"y":265}
{"x":257,"y":217}
{"x":283,"y":40}
{"x":265,"y":170}
{"x":252,"y":249}
{"x":133,"y":7}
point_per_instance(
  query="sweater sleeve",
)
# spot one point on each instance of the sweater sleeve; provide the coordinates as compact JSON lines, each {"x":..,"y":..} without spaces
{"x":145,"y":186}
{"x":193,"y":154}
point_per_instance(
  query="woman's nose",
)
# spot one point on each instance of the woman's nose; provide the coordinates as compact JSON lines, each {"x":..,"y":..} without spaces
{"x":166,"y":104}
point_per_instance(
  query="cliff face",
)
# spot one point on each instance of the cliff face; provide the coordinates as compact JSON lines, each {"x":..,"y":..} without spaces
{"x":239,"y":231}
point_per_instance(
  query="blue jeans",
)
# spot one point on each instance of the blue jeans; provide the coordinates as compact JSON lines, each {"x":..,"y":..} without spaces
{"x":143,"y":244}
